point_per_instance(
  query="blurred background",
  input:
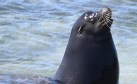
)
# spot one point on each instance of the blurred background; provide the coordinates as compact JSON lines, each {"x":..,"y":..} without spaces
{"x":34,"y":35}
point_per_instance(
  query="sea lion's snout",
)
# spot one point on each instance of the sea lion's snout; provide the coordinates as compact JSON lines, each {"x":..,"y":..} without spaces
{"x":105,"y":17}
{"x":106,"y":13}
{"x":106,"y":10}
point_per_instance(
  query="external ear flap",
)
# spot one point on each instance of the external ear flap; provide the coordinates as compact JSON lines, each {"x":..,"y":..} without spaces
{"x":80,"y":29}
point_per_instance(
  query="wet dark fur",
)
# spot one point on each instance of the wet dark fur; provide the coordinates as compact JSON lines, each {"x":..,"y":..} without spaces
{"x":90,"y":56}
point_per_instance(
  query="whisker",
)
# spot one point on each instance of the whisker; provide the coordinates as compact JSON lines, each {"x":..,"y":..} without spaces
{"x":106,"y":22}
{"x":100,"y":17}
{"x":102,"y":23}
{"x":108,"y":14}
{"x":107,"y":19}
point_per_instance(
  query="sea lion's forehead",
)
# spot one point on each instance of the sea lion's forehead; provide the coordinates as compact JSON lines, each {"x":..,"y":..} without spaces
{"x":91,"y":12}
{"x":88,"y":13}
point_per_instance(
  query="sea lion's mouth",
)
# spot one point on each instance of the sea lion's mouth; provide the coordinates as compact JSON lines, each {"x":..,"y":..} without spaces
{"x":105,"y":17}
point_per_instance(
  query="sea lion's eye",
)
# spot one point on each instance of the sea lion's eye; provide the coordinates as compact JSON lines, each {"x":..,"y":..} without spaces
{"x":91,"y":17}
{"x":86,"y":16}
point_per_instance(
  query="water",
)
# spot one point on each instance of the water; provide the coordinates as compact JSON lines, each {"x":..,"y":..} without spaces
{"x":34,"y":35}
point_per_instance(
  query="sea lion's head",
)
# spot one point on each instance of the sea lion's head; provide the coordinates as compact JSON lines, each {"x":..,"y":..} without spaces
{"x":95,"y":22}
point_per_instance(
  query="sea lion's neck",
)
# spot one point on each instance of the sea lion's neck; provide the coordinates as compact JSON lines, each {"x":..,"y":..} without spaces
{"x":78,"y":59}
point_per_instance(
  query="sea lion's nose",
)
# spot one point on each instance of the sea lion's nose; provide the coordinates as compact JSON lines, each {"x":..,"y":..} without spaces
{"x":105,"y":10}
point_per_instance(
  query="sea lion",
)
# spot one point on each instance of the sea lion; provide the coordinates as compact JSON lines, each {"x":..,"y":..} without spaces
{"x":90,"y":56}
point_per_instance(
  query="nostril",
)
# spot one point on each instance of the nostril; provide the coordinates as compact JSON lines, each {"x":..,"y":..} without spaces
{"x":106,"y":9}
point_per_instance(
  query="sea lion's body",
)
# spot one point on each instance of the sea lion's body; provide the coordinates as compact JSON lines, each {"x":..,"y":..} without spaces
{"x":91,"y":61}
{"x":90,"y":56}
